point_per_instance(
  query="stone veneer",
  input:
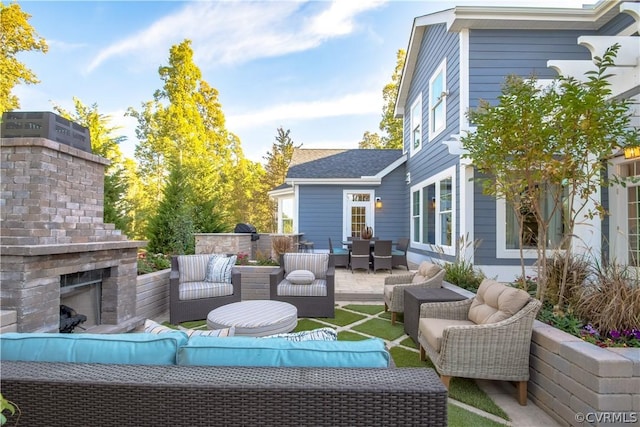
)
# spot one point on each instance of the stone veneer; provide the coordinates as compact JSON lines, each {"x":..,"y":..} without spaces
{"x":570,"y":376}
{"x":51,"y":223}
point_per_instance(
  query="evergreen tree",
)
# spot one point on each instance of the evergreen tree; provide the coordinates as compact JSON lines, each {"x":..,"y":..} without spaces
{"x":278,"y":160}
{"x":105,"y":143}
{"x":171,"y":228}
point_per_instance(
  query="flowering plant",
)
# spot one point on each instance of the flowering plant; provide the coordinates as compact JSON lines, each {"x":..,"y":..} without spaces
{"x":614,"y":338}
{"x":242,"y":258}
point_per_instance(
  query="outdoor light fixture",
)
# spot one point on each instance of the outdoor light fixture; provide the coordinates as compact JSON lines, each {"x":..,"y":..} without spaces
{"x":379,"y":202}
{"x":631,"y":152}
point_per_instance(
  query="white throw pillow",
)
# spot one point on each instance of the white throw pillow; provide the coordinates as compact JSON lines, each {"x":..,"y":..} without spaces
{"x":320,"y":334}
{"x":301,"y":277}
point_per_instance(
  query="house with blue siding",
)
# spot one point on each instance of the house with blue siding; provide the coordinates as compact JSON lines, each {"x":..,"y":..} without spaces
{"x":455,"y":58}
{"x":334,"y":193}
{"x":462,"y":55}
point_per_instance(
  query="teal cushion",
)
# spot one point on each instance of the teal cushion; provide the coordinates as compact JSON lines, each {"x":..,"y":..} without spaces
{"x":134,"y":349}
{"x":274,"y":352}
{"x":397,"y":252}
{"x":340,"y":251}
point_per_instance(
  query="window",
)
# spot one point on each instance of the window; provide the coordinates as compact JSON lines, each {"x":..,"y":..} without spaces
{"x":286,"y":216}
{"x":416,"y":124}
{"x":432,"y":210}
{"x":358,"y":212}
{"x":438,"y":101}
{"x":631,"y":171}
{"x":509,"y":230}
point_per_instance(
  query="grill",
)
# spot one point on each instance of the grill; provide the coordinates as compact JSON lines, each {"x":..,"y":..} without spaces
{"x":247,"y":228}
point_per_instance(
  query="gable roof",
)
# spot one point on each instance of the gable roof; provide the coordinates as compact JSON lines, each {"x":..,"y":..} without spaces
{"x":342,"y":165}
{"x":499,"y":17}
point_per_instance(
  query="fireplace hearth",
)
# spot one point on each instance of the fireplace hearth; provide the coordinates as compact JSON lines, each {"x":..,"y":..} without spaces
{"x":52,"y":229}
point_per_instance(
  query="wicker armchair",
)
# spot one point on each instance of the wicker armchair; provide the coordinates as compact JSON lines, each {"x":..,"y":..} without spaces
{"x":428,"y":276}
{"x":190,"y":297}
{"x":496,"y":350}
{"x":313,"y":297}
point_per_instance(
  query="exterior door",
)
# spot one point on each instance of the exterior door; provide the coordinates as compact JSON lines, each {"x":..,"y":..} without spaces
{"x":358,"y":212}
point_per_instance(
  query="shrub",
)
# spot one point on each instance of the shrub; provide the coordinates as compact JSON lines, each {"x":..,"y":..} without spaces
{"x":578,"y":271}
{"x":463,"y":274}
{"x":281,"y":245}
{"x":148,"y":263}
{"x":612,"y":301}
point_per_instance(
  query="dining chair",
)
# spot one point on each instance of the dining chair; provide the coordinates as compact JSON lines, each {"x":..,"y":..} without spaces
{"x":360,"y":255}
{"x":382,"y":255}
{"x":399,"y":254}
{"x":340,"y":255}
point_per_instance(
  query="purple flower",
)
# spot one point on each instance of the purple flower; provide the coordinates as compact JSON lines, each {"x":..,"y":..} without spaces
{"x":591,"y":330}
{"x":636,"y":333}
{"x":614,"y":334}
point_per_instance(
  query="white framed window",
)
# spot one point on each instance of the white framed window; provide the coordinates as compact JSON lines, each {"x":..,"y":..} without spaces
{"x":438,"y":100}
{"x":416,"y":125}
{"x":432,"y":213}
{"x":508,"y":230}
{"x":285,"y":215}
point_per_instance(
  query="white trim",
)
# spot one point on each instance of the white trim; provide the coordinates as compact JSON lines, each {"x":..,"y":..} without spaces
{"x":501,"y":236}
{"x":619,"y":218}
{"x":346,"y":214}
{"x":334,"y":181}
{"x":296,"y":209}
{"x":416,"y":103}
{"x":434,"y":179}
{"x":441,"y":99}
{"x":466,"y":198}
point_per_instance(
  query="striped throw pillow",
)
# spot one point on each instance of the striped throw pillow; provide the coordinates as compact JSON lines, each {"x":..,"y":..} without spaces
{"x":320,"y":334}
{"x":219,"y":269}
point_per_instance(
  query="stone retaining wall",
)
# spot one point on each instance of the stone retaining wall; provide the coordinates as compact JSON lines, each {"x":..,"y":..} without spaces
{"x":570,"y":376}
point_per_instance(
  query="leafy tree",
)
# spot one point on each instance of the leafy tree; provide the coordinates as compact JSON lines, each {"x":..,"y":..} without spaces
{"x":389,"y":125}
{"x":370,"y":141}
{"x":278,"y":160}
{"x":105,"y":143}
{"x":16,"y":35}
{"x":548,"y":142}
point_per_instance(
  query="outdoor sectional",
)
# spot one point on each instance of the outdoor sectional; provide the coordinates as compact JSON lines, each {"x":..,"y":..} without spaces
{"x":148,"y":379}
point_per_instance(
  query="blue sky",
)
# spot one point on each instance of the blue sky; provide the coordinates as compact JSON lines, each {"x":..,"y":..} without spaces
{"x":314,"y":67}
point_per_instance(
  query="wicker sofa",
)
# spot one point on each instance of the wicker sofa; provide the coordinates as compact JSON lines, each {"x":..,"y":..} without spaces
{"x":134,"y":395}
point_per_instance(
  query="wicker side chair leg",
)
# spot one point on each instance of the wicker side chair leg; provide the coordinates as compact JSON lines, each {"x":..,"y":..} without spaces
{"x":522,"y":392}
{"x":386,"y":307}
{"x":393,"y":318}
{"x":445,"y":380}
{"x":423,"y":354}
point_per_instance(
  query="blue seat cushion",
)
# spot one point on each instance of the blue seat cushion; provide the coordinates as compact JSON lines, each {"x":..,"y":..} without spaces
{"x":340,"y":251}
{"x":274,"y":352}
{"x":135,"y":348}
{"x":397,"y":252}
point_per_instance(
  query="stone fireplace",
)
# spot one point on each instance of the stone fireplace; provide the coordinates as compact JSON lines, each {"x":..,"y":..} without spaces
{"x":52,"y":230}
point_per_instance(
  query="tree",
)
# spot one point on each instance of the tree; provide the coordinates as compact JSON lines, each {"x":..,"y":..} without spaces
{"x":389,"y":125}
{"x":545,"y":151}
{"x":278,"y":160}
{"x":16,"y":35}
{"x":171,"y":228}
{"x":105,"y":143}
{"x":370,"y":141}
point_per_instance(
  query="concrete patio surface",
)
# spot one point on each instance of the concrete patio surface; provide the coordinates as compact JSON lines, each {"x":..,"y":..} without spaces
{"x":361,"y":287}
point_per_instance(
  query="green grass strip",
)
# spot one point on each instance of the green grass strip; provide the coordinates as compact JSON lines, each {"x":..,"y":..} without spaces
{"x":408,"y":342}
{"x":367,"y":309}
{"x":308,"y":325}
{"x":458,"y":417}
{"x":350,"y":336}
{"x":380,"y":328}
{"x":387,"y":315}
{"x":343,"y":317}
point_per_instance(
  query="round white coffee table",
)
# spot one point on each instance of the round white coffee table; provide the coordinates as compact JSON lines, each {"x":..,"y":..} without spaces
{"x":255,"y":318}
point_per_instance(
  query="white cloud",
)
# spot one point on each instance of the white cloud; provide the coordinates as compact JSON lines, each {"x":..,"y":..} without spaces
{"x":230,"y":32}
{"x":349,"y":104}
{"x":63,"y":46}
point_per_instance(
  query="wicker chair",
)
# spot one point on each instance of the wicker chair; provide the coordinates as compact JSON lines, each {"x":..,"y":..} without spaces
{"x":494,"y":345}
{"x":360,"y":253}
{"x":429,"y":275}
{"x":399,"y":254}
{"x":340,"y":255}
{"x":381,"y":255}
{"x":182,"y":309}
{"x":312,"y":299}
